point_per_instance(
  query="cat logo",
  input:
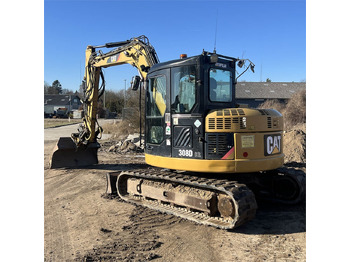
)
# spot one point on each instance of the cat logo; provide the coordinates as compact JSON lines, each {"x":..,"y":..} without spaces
{"x":272,"y":144}
{"x":113,"y":59}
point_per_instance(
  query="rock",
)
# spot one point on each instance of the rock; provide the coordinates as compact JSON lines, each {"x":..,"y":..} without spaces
{"x":133,"y":138}
{"x":138,"y":143}
{"x":124,"y":145}
{"x":128,"y":146}
{"x":112,"y":148}
{"x":104,"y":230}
{"x":131,"y":146}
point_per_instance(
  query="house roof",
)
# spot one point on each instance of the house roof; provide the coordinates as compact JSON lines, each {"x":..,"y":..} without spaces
{"x":268,"y":90}
{"x":58,"y":99}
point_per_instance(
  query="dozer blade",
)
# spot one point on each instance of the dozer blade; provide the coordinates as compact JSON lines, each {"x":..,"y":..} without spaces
{"x":67,"y":155}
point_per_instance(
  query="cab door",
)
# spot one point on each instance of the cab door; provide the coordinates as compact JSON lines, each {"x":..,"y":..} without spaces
{"x":157,"y":124}
{"x":187,"y":124}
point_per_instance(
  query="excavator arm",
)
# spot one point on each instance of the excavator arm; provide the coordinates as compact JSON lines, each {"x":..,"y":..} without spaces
{"x":81,"y":148}
{"x":136,"y":52}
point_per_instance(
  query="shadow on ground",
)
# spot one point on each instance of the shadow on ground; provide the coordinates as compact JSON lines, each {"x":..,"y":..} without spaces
{"x":276,"y":219}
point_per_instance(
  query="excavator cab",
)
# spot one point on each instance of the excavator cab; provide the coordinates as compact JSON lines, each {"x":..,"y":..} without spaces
{"x":193,"y":122}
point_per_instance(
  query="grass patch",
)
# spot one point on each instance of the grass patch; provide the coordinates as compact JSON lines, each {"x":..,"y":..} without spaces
{"x":50,"y":122}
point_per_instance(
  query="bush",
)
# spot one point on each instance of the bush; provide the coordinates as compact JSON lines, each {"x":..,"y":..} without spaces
{"x":131,"y":113}
{"x":120,"y":129}
{"x":273,"y":103}
{"x":294,"y":112}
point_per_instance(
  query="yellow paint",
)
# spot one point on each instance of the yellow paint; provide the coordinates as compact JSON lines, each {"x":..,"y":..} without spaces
{"x":216,"y":166}
{"x":275,"y":151}
{"x":243,"y":120}
{"x":135,"y":55}
{"x":157,"y":96}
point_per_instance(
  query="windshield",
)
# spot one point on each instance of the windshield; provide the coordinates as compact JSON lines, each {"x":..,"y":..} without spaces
{"x":220,"y":85}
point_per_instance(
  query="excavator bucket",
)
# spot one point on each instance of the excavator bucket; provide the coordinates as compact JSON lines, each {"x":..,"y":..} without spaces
{"x":67,"y":155}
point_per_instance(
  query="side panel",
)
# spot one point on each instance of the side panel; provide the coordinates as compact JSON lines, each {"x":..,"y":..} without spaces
{"x":188,"y":132}
{"x":219,"y":146}
{"x":258,"y":145}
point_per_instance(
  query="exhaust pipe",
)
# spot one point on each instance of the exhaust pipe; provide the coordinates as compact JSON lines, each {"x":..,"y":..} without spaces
{"x":67,"y":155}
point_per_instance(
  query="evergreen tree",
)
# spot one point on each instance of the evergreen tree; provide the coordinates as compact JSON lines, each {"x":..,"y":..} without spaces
{"x":57,"y":87}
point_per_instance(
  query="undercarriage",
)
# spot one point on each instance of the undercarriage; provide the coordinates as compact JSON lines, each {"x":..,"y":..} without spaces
{"x":225,"y":202}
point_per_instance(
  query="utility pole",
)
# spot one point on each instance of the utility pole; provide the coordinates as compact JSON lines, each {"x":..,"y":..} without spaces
{"x":124,"y":98}
{"x":124,"y":93}
{"x":70,"y":107}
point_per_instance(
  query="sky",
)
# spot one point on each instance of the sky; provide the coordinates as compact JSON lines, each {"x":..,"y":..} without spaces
{"x":272,"y":34}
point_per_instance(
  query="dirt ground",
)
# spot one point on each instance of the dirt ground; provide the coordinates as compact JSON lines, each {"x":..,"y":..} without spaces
{"x":83,"y":225}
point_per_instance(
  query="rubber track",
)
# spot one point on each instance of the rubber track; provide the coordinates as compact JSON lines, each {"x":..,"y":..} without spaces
{"x":300,"y":178}
{"x":243,"y":197}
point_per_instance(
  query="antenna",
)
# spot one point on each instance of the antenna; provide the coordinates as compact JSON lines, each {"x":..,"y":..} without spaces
{"x":243,"y":53}
{"x":216,"y":29}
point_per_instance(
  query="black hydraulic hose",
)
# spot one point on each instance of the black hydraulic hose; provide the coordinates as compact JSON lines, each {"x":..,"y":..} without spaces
{"x":140,"y":115}
{"x":102,"y":88}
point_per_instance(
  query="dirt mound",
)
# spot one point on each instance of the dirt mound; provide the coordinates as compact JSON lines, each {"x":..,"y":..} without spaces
{"x":295,"y":144}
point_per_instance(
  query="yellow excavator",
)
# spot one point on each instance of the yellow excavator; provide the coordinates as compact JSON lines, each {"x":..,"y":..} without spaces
{"x":209,"y":157}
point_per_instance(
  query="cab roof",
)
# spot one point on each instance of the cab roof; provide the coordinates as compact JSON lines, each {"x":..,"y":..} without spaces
{"x":173,"y":63}
{"x":190,"y":61}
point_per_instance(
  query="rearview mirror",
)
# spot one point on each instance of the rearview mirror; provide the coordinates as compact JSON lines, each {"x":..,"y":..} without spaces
{"x":240,"y":63}
{"x":252,"y":68}
{"x":135,"y":83}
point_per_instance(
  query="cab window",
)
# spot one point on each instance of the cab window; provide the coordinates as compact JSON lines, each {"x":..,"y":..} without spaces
{"x":156,"y":107}
{"x":183,"y":89}
{"x":220,"y":85}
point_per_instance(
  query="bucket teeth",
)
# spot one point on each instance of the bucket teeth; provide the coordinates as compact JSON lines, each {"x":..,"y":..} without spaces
{"x":67,"y":155}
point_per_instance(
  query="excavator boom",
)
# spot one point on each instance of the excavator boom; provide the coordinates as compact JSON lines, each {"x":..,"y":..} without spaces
{"x":81,"y":148}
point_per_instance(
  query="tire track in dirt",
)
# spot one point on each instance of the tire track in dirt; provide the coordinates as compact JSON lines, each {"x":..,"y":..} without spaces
{"x":62,"y":189}
{"x":136,"y":241}
{"x":188,"y":241}
{"x":153,"y":235}
{"x":182,"y":240}
{"x":56,"y":228}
